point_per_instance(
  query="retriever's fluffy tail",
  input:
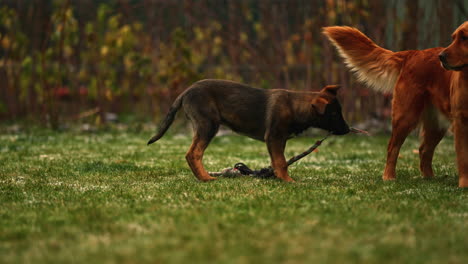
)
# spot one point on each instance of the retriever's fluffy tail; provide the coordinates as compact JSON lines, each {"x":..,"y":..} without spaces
{"x":167,"y":121}
{"x":377,"y":67}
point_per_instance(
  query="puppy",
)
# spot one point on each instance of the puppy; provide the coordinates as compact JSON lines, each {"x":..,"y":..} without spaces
{"x":272,"y":116}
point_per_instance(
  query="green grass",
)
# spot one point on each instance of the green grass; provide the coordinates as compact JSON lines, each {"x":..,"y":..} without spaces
{"x":107,"y":197}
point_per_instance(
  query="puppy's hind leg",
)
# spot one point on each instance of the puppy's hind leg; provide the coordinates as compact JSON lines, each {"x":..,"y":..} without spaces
{"x":204,"y":131}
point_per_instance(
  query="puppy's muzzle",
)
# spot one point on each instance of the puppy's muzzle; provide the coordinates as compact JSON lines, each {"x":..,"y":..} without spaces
{"x":340,"y":132}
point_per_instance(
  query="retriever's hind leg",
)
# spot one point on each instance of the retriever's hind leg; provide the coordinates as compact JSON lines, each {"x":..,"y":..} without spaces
{"x":432,"y":132}
{"x":406,"y":113}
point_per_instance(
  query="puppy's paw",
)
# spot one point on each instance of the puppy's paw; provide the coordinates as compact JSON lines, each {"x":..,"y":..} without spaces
{"x":207,"y":179}
{"x":288,"y":179}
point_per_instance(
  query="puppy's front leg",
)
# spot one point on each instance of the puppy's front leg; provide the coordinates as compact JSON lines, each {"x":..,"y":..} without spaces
{"x":278,"y":162}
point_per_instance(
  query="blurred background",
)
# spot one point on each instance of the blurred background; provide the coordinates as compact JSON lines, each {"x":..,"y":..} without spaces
{"x":99,"y":61}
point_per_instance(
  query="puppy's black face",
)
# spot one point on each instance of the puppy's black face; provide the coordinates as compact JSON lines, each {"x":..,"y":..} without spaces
{"x":332,"y":119}
{"x":328,"y":110}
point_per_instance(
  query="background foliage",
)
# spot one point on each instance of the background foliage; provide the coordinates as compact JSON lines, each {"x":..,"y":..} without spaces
{"x":68,"y":60}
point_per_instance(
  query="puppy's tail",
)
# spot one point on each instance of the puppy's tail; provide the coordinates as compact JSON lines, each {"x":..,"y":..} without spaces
{"x":375,"y":66}
{"x":167,"y":121}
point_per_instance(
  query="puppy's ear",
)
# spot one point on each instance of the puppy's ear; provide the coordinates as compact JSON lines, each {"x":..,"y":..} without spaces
{"x":331,"y":89}
{"x":319,"y":104}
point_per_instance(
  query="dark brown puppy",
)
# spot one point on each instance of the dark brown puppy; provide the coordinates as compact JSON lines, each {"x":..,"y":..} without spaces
{"x":272,"y":116}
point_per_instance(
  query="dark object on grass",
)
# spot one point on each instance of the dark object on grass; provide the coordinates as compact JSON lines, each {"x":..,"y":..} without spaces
{"x":265,"y":173}
{"x":268,"y":173}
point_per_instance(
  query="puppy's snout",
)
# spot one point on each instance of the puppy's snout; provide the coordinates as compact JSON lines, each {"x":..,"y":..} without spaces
{"x":342,"y":131}
{"x":443,"y":57}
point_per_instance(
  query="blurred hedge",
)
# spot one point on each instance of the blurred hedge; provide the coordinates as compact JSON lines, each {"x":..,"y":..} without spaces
{"x":65,"y":61}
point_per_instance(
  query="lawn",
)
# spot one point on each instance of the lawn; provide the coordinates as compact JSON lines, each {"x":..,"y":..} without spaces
{"x":106,"y":197}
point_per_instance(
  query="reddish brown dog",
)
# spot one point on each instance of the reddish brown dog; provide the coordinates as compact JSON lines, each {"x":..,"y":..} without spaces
{"x":455,"y":57}
{"x":421,"y":90}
